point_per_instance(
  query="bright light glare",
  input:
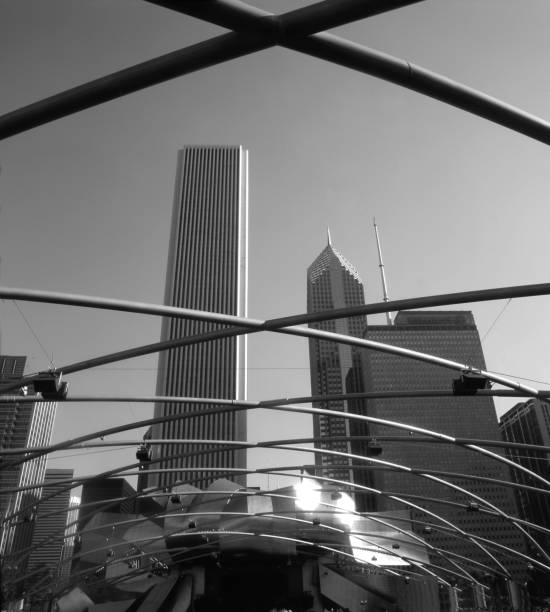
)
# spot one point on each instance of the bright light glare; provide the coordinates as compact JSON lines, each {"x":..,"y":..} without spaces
{"x":365,"y":552}
{"x":308,"y":494}
{"x":346,"y":507}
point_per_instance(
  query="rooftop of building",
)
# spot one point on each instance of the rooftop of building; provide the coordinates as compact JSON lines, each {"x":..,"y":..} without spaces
{"x":434,"y":319}
{"x":323,"y":261}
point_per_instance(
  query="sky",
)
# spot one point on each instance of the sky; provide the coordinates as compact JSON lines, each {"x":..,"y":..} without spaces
{"x":85,"y":201}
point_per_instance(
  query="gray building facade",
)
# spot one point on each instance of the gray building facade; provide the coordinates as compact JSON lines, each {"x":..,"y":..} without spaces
{"x":529,"y":423}
{"x":23,"y":424}
{"x":207,"y":270}
{"x":48,"y":539}
{"x":452,"y":335}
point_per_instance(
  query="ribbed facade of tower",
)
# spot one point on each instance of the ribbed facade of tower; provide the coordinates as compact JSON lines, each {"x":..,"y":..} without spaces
{"x":451,"y":335}
{"x":207,"y":270}
{"x":70,"y":536}
{"x":15,"y":422}
{"x":24,"y":424}
{"x":48,"y":538}
{"x":332,"y":282}
{"x":529,"y":423}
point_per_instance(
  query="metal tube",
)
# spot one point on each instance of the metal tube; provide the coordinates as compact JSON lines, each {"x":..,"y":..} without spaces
{"x":253,"y":324}
{"x":332,"y":397}
{"x":152,"y":72}
{"x":264,"y":31}
{"x":347,"y":484}
{"x":134,"y":521}
{"x":383,"y":438}
{"x":370,"y":460}
{"x":374,"y":63}
{"x":232,"y":45}
{"x":300,"y":22}
{"x":430,"y":301}
{"x":331,"y":413}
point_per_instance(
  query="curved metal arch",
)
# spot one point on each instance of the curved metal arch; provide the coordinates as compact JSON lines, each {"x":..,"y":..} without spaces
{"x":293,"y":32}
{"x":347,"y":484}
{"x":436,"y":500}
{"x":434,"y":515}
{"x":189,"y":514}
{"x":244,"y":325}
{"x":288,"y":446}
{"x":332,"y":413}
{"x":343,"y":483}
{"x":401,"y":439}
{"x":430,"y":301}
{"x":277,"y":516}
{"x":330,"y":397}
{"x":287,"y":30}
{"x":461,"y":476}
{"x":306,"y":450}
{"x":377,"y":519}
{"x":295,"y":540}
{"x":380,"y":438}
{"x":225,"y":532}
{"x":489,"y":542}
{"x":433,"y":478}
{"x":419,"y":472}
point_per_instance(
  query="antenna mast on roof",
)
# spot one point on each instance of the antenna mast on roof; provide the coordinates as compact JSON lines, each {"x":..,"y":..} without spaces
{"x":382,"y":273}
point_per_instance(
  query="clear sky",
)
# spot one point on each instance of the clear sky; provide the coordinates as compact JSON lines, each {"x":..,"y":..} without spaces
{"x":461,"y":203}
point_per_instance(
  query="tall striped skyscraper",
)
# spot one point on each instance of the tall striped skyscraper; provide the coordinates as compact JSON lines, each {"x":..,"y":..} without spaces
{"x":332,"y":282}
{"x":48,"y":540}
{"x":207,"y":270}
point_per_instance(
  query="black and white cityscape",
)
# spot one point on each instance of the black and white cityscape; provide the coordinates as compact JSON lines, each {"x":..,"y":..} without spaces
{"x":272,"y":331}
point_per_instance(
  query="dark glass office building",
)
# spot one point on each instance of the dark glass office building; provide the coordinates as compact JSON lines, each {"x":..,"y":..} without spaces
{"x":333,"y":282}
{"x":452,"y":335}
{"x":529,"y":423}
{"x":207,"y":270}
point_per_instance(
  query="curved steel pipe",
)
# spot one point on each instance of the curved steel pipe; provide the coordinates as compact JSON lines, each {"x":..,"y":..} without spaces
{"x":290,"y":408}
{"x":271,"y":515}
{"x":331,"y":413}
{"x":105,"y":504}
{"x":379,"y":438}
{"x":294,"y":34}
{"x":444,"y":483}
{"x":249,"y":325}
{"x":257,"y":36}
{"x":347,"y":484}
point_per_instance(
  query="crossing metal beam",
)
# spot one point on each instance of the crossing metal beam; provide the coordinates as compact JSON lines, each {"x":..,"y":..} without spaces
{"x":264,"y":30}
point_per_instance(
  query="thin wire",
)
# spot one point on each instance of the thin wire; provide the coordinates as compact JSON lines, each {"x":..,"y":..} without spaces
{"x":496,"y":319}
{"x":542,"y":382}
{"x":162,"y":369}
{"x":49,"y":356}
{"x":110,"y":450}
{"x":490,"y":329}
{"x":132,"y":411}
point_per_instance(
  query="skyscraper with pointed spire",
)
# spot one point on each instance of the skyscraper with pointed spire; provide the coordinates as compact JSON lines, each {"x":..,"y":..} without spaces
{"x":207,"y":270}
{"x":333,"y":282}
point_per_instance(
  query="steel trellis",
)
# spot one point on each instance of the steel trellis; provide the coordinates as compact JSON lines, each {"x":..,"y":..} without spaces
{"x":298,"y":30}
